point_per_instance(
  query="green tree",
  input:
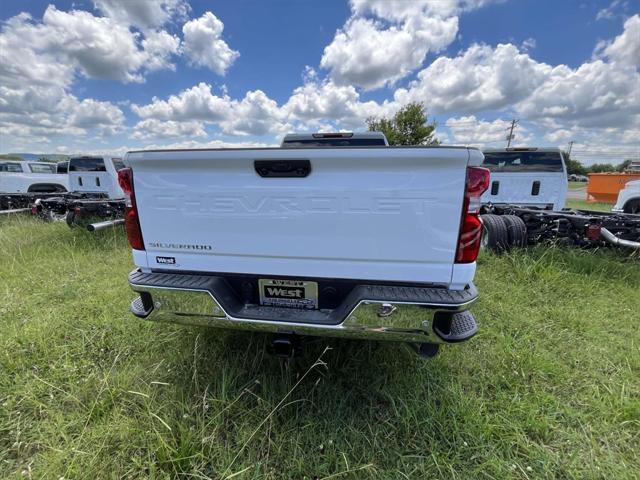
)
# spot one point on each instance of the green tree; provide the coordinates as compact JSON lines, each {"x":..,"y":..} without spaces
{"x":601,"y":168}
{"x":623,"y":166}
{"x":409,"y":126}
{"x":574,"y":167}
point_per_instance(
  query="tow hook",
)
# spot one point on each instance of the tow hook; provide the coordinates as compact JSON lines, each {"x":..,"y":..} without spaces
{"x":286,"y":346}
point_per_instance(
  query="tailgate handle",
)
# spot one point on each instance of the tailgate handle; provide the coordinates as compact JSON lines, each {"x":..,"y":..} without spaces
{"x":282,"y":168}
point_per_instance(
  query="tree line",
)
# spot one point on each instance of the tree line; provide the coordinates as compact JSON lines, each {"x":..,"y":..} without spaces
{"x":574,"y":167}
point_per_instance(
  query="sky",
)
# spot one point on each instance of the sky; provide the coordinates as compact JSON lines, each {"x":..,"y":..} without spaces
{"x":107,"y":76}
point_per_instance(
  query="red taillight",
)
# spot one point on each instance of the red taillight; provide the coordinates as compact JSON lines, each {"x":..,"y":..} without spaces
{"x":131,"y":221}
{"x":471,"y":226}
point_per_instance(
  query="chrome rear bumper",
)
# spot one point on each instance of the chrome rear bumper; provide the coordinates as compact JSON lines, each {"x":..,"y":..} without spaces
{"x":417,"y":314}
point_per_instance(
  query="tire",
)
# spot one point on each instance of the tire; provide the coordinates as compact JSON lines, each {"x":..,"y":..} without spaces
{"x":516,"y":231}
{"x":632,"y":206}
{"x":71,"y":218}
{"x":494,"y":234}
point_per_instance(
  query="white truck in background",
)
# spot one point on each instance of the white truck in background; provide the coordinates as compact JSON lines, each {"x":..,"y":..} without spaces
{"x":95,"y":174}
{"x":354,"y":242}
{"x":94,"y":194}
{"x":628,"y":199}
{"x":526,"y":177}
{"x":18,"y":176}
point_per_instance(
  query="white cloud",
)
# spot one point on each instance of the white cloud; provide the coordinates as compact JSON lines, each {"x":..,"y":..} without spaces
{"x":366,"y":54}
{"x":625,"y":48}
{"x":309,"y":106}
{"x":325,"y":101}
{"x":22,"y":64}
{"x":373,"y":52}
{"x":604,"y":92}
{"x":481,"y":78}
{"x":560,"y":136}
{"x":38,"y":113}
{"x":404,"y":9}
{"x":64,"y":43}
{"x":195,"y":103}
{"x":89,"y":114}
{"x":204,"y":46}
{"x":97,"y":46}
{"x":41,"y":60}
{"x":592,"y":149}
{"x":154,"y":128}
{"x":480,"y":133}
{"x":528,"y":44}
{"x":609,"y":12}
{"x":143,"y":13}
{"x":159,"y":47}
{"x":596,"y":94}
{"x":255,"y":114}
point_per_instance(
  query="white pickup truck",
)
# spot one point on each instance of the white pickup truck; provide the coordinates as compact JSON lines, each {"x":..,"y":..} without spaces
{"x":628,"y":199}
{"x":373,"y":243}
{"x":17,"y":176}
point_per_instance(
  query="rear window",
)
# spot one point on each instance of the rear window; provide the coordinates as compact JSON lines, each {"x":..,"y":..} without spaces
{"x":63,"y":167}
{"x":334,"y":142}
{"x":118,"y":164}
{"x":10,"y":167}
{"x":87,"y":164}
{"x":41,"y":168}
{"x":523,"y":161}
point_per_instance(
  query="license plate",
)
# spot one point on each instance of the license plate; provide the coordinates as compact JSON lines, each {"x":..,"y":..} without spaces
{"x":288,"y":293}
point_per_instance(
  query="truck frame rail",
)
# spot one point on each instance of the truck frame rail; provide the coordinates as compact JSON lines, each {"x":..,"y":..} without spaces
{"x":580,"y":228}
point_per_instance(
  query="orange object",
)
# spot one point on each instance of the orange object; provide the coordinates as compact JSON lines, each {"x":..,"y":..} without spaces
{"x":604,"y":187}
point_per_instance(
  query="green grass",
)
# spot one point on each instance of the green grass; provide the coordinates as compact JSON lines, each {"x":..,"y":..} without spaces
{"x":584,"y":205}
{"x":577,"y":185}
{"x":550,"y":387}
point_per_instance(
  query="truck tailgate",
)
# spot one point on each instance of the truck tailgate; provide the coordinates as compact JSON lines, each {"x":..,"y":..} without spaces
{"x":389,"y":214}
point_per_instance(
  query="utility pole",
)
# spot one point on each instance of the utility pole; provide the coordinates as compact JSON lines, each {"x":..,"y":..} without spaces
{"x":511,"y":136}
{"x":570,"y":147}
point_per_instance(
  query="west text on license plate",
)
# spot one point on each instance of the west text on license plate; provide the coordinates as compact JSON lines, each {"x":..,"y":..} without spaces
{"x":288,"y":293}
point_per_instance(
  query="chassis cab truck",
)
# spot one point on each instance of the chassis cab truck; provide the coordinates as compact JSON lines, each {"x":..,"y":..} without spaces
{"x":98,"y":175}
{"x":526,"y":177}
{"x":374,"y":243}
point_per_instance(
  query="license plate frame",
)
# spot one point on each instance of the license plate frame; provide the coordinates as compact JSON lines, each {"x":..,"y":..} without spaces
{"x":300,"y":294}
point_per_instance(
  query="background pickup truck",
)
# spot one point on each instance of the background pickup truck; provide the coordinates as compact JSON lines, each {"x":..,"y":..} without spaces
{"x":17,"y":176}
{"x":628,"y":198}
{"x":372,"y":243}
